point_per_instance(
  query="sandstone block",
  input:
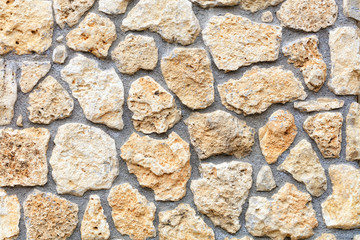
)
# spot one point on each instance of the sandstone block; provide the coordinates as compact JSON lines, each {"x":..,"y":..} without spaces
{"x":320,"y":104}
{"x":31,"y":73}
{"x":353,"y":132}
{"x":9,"y":216}
{"x":113,"y":6}
{"x":8,"y":92}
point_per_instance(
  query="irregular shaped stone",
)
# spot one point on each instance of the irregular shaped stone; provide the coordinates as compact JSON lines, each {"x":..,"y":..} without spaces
{"x":162,"y":165}
{"x":259,"y":88}
{"x":187,"y":72}
{"x":353,"y":132}
{"x":356,"y":237}
{"x":351,"y":9}
{"x":49,"y":102}
{"x":31,"y":73}
{"x":305,"y":55}
{"x":19,"y":121}
{"x":99,"y":92}
{"x":289,"y":213}
{"x":174,"y":20}
{"x":134,"y":53}
{"x":154,"y":108}
{"x":26,"y":26}
{"x":8,"y":92}
{"x":325,"y":130}
{"x":132,"y":214}
{"x":9,"y":216}
{"x":277,"y":135}
{"x":249,"y":5}
{"x":320,"y":104}
{"x":59,"y":54}
{"x":216,"y":3}
{"x":84,"y":158}
{"x":267,"y":17}
{"x":228,"y":184}
{"x":235,"y":41}
{"x":23,"y":156}
{"x":326,"y":236}
{"x":265,"y":180}
{"x":308,"y":15}
{"x":48,"y":216}
{"x":182,"y":223}
{"x":60,"y":39}
{"x":113,"y":6}
{"x":219,"y":132}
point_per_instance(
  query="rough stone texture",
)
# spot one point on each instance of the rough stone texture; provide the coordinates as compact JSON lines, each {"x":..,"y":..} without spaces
{"x":320,"y":104}
{"x":188,"y":74}
{"x":154,"y":108}
{"x":325,"y":130}
{"x":19,"y":121}
{"x":182,"y":223}
{"x":265,"y":180}
{"x":31,"y":73}
{"x":49,"y":101}
{"x":351,"y":9}
{"x":353,"y":133}
{"x":9,"y":216}
{"x":267,"y":17}
{"x":49,"y":217}
{"x":236,"y":41}
{"x":228,"y":184}
{"x":243,"y":238}
{"x":134,"y":53}
{"x":304,"y":54}
{"x":174,"y":20}
{"x":249,"y":5}
{"x":277,"y":135}
{"x":59,"y":54}
{"x":99,"y":92}
{"x":8,"y":92}
{"x":133,"y":215}
{"x":289,"y":213}
{"x":219,"y":132}
{"x":113,"y":6}
{"x":308,"y":15}
{"x":162,"y":165}
{"x":326,"y":236}
{"x":94,"y":34}
{"x":304,"y":165}
{"x":23,"y":156}
{"x":84,"y":158}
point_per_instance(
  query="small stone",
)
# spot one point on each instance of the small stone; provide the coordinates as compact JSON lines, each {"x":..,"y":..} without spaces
{"x":132,"y":214}
{"x":265,"y":180}
{"x":182,"y":223}
{"x":23,"y":156}
{"x":353,"y":132}
{"x":277,"y":135}
{"x":320,"y":104}
{"x":48,"y":216}
{"x":134,"y":53}
{"x":326,"y":236}
{"x":325,"y":130}
{"x":174,"y":20}
{"x":351,"y":9}
{"x":219,"y":132}
{"x":228,"y":184}
{"x":243,"y":238}
{"x":99,"y":92}
{"x":308,"y":15}
{"x":113,"y":6}
{"x":259,"y":88}
{"x":187,"y":72}
{"x":249,"y":5}
{"x":31,"y":73}
{"x":95,"y":34}
{"x":304,"y":54}
{"x":49,"y":102}
{"x":154,"y":108}
{"x":267,"y":17}
{"x":59,"y":54}
{"x":84,"y":158}
{"x":236,"y":41}
{"x":289,"y":213}
{"x":19,"y":121}
{"x":60,"y":39}
{"x":9,"y":216}
{"x":8,"y":92}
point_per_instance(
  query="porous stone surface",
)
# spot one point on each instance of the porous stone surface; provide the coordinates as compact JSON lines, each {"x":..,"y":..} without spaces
{"x":265,"y":180}
{"x":267,"y":17}
{"x":319,"y":104}
{"x":31,"y":73}
{"x":59,"y":54}
{"x":9,"y":216}
{"x":351,"y":8}
{"x":326,"y":236}
{"x":113,"y":6}
{"x":8,"y":92}
{"x":353,"y":132}
{"x":249,"y":5}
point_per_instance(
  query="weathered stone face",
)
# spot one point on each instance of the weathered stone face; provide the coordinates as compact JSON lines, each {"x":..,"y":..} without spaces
{"x":320,"y":104}
{"x":267,"y":17}
{"x":9,"y":216}
{"x":249,"y":5}
{"x":31,"y":73}
{"x":8,"y":92}
{"x":265,"y":180}
{"x":327,"y":236}
{"x":243,"y":238}
{"x":113,"y":6}
{"x":351,"y":9}
{"x":353,"y":133}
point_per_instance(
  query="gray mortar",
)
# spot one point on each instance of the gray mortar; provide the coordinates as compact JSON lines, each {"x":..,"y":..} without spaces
{"x":255,"y":121}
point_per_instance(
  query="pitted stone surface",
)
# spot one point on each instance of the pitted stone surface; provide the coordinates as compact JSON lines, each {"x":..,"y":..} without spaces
{"x":265,"y":180}
{"x":353,"y":132}
{"x":31,"y":73}
{"x":249,"y":5}
{"x":267,"y":17}
{"x":8,"y":92}
{"x":320,"y":104}
{"x":113,"y":6}
{"x":9,"y":216}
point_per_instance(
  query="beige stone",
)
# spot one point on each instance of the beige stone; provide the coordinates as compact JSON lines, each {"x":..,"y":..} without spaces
{"x":113,"y":6}
{"x":216,"y":3}
{"x":132,"y":214}
{"x":259,"y":88}
{"x":59,"y":54}
{"x":219,"y":132}
{"x":8,"y":91}
{"x":221,"y":192}
{"x":249,"y":5}
{"x":351,"y":9}
{"x":154,"y":109}
{"x":19,"y":121}
{"x":84,"y":158}
{"x":325,"y":130}
{"x":243,"y":238}
{"x":9,"y":216}
{"x":187,"y":72}
{"x":356,"y":237}
{"x":353,"y":132}
{"x":326,"y":236}
{"x":265,"y":180}
{"x":60,"y":39}
{"x":99,"y":92}
{"x":31,"y":73}
{"x":320,"y":104}
{"x":174,"y":20}
{"x":182,"y":223}
{"x":267,"y":17}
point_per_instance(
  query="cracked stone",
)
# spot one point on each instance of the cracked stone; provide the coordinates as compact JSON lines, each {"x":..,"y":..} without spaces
{"x":31,"y":73}
{"x":113,"y":6}
{"x":59,"y":54}
{"x":9,"y":216}
{"x":249,"y":5}
{"x":351,"y":9}
{"x":267,"y":17}
{"x":320,"y":104}
{"x":8,"y":92}
{"x":326,"y":236}
{"x":265,"y":180}
{"x":353,"y":132}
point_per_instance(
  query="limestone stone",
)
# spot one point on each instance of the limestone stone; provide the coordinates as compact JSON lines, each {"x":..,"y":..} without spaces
{"x":19,"y":121}
{"x":8,"y":91}
{"x":249,"y":5}
{"x":267,"y":17}
{"x":219,"y":132}
{"x":325,"y":130}
{"x":182,"y":223}
{"x":353,"y":132}
{"x":59,"y":54}
{"x":308,"y":15}
{"x":84,"y":158}
{"x":9,"y":216}
{"x":49,"y":101}
{"x":259,"y":88}
{"x":31,"y":73}
{"x":174,"y":20}
{"x":326,"y":236}
{"x":187,"y":72}
{"x":288,"y":213}
{"x":23,"y":156}
{"x":154,"y":109}
{"x":99,"y":92}
{"x":265,"y":180}
{"x":48,"y":216}
{"x":243,"y":238}
{"x":134,"y":53}
{"x":95,"y":34}
{"x":216,"y":3}
{"x":133,"y":215}
{"x":60,"y":39}
{"x":356,"y":237}
{"x":277,"y":135}
{"x":228,"y":184}
{"x":351,"y":9}
{"x":235,"y":41}
{"x":320,"y":104}
{"x":305,"y":55}
{"x":26,"y":26}
{"x":113,"y":6}
{"x":162,"y":165}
